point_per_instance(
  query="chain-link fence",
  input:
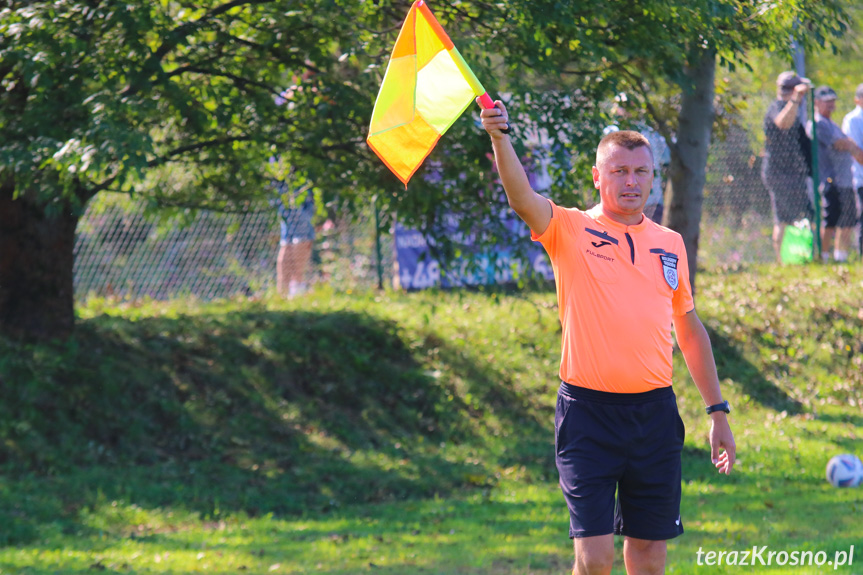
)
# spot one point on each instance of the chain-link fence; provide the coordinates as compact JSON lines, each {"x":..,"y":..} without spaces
{"x":123,"y":250}
{"x":737,"y":219}
{"x":760,"y":203}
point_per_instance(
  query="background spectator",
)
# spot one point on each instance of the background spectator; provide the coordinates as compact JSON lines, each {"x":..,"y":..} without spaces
{"x":835,"y":167}
{"x":785,"y":167}
{"x":852,"y":125}
{"x":296,"y":208}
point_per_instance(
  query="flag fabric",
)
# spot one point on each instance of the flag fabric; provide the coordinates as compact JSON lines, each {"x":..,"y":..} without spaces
{"x":425,"y":89}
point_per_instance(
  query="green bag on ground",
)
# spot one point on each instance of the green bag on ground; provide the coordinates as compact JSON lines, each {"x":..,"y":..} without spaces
{"x":797,"y":243}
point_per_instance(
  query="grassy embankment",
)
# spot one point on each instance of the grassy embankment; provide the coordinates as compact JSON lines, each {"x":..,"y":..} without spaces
{"x":391,"y":433}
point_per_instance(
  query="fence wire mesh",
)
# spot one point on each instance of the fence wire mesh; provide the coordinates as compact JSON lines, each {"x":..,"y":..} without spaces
{"x":124,"y":251}
{"x":737,"y":219}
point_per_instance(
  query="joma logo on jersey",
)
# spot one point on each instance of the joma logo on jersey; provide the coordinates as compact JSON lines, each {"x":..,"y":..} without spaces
{"x":605,"y":240}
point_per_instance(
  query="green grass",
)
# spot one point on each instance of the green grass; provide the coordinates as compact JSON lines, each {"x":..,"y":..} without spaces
{"x":345,"y":433}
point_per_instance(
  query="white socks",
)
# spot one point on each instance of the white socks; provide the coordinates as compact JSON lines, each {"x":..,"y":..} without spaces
{"x":296,"y":288}
{"x":839,"y":256}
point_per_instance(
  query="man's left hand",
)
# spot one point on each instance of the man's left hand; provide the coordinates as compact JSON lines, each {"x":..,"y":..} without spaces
{"x":722,"y":439}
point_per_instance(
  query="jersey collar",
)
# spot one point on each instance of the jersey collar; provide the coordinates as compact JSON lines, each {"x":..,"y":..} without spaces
{"x":596,"y":214}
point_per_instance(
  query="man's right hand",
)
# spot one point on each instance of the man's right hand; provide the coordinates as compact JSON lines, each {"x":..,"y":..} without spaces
{"x":844,"y":144}
{"x":534,"y":209}
{"x":849,"y":145}
{"x":800,"y":90}
{"x":495,"y":119}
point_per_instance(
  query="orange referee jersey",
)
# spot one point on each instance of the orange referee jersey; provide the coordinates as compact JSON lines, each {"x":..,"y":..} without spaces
{"x":617,"y":289}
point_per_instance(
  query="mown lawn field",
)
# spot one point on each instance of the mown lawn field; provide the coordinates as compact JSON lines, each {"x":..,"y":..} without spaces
{"x":391,"y":433}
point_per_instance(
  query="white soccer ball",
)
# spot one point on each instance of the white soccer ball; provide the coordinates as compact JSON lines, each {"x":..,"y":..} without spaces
{"x":845,"y":470}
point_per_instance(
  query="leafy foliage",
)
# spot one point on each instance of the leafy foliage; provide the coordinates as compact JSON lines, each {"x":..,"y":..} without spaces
{"x":644,"y":48}
{"x":182,"y":103}
{"x":174,"y":99}
{"x":185,"y":103}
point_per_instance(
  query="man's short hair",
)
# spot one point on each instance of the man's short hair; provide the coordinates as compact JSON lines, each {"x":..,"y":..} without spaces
{"x":628,"y":139}
{"x":859,"y":92}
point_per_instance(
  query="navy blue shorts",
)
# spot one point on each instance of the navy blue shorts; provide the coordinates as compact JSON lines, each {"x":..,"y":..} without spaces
{"x":840,"y":207}
{"x":624,"y":442}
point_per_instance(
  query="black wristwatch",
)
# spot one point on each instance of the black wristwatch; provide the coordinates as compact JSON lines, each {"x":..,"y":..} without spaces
{"x":718,"y":407}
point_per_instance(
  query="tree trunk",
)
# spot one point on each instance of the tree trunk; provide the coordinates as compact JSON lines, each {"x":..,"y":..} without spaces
{"x":689,"y":155}
{"x":36,"y":260}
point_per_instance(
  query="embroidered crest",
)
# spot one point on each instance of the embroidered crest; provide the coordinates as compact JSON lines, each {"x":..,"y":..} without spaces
{"x":669,"y":269}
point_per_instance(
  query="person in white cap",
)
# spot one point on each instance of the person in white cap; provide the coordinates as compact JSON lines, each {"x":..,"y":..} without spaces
{"x":852,"y":125}
{"x":785,"y":166}
{"x":836,"y":154}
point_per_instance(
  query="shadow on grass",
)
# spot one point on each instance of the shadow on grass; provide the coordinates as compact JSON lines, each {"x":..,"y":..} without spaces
{"x":252,"y":412}
{"x":731,"y":363}
{"x":854,"y":419}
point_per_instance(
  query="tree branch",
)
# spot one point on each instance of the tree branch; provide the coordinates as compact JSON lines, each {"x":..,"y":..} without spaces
{"x":174,"y":37}
{"x":239,"y":80}
{"x":612,"y":66}
{"x":658,"y":120}
{"x":177,"y":34}
{"x":196,"y":147}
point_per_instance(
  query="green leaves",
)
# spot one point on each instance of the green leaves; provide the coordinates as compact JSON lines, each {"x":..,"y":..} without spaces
{"x":97,"y":96}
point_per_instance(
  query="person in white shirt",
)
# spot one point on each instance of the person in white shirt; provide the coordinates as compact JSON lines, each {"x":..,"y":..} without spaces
{"x":852,"y":125}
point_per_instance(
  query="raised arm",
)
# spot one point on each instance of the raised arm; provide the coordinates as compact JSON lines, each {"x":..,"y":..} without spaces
{"x":695,"y":345}
{"x":534,"y":209}
{"x":785,"y":118}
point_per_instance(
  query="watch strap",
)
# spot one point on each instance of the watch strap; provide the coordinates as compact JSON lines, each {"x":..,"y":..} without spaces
{"x":718,"y":407}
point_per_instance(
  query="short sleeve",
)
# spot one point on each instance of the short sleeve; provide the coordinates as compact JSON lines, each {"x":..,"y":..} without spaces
{"x":826,"y":134}
{"x":553,"y":239}
{"x":853,"y":128}
{"x":682,"y":302}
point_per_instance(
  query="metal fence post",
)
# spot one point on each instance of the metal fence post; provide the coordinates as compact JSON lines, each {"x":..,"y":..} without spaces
{"x":378,"y":256}
{"x":816,"y":180}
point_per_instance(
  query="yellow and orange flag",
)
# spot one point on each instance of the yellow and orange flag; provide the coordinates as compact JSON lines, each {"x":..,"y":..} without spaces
{"x":426,"y":87}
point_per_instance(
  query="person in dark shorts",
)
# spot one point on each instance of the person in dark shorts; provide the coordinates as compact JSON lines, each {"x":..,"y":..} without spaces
{"x":836,"y":153}
{"x":785,"y":166}
{"x":622,"y":281}
{"x":297,"y":235}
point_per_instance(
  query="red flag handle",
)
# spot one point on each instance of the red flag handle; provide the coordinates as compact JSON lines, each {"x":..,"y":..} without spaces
{"x":486,"y":102}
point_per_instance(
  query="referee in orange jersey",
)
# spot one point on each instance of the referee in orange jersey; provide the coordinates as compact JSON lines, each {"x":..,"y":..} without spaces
{"x":622,"y":281}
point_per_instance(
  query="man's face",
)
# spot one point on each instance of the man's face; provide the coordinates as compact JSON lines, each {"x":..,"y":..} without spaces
{"x":624,"y":178}
{"x":825,"y":107}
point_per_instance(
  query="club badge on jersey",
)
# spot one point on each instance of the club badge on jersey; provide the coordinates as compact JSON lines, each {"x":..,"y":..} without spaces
{"x":669,"y":269}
